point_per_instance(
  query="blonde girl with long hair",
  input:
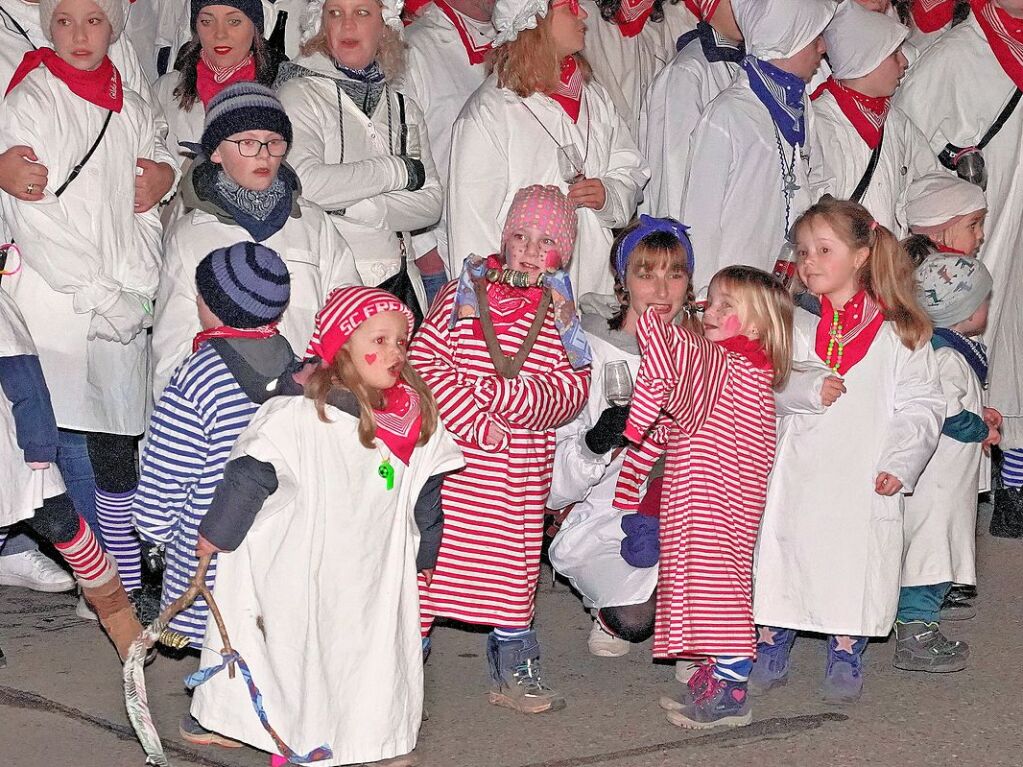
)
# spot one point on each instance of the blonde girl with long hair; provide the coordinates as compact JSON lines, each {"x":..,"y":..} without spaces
{"x":830,"y":548}
{"x":707,"y":402}
{"x":317,"y":517}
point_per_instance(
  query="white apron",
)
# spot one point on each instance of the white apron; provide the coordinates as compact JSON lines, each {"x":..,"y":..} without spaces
{"x":23,"y":489}
{"x":320,"y":598}
{"x":829,"y":555}
{"x":941,"y":516}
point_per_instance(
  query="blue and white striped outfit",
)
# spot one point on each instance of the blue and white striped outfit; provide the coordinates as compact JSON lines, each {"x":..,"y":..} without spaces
{"x":196,"y":422}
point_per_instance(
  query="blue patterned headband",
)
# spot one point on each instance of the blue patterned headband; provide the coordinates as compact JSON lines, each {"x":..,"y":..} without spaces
{"x":649,"y":225}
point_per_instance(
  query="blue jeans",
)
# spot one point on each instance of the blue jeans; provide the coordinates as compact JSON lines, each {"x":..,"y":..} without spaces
{"x":76,"y":468}
{"x":922,"y":603}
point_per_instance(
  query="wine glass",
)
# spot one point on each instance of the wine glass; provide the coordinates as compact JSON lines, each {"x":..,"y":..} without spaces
{"x":411,"y":142}
{"x":617,"y":383}
{"x":570,"y":163}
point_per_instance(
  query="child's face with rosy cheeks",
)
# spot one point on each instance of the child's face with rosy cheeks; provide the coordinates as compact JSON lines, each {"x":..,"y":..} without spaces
{"x":722,"y":318}
{"x":531,"y":250}
{"x":377,"y":348}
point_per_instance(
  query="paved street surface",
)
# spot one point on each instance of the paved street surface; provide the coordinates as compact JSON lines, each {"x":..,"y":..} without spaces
{"x":60,"y":698}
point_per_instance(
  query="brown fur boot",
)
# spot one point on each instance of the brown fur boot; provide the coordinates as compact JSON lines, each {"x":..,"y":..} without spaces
{"x":116,"y":614}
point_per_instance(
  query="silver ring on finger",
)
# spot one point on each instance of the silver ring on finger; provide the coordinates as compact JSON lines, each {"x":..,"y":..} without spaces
{"x":31,"y":188}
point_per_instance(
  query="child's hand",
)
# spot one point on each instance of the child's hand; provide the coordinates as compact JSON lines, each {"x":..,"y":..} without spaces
{"x":152,"y":182}
{"x":493,"y":435}
{"x":832,"y":388}
{"x":993,"y":438}
{"x":38,"y":465}
{"x":992,"y":418}
{"x":588,"y":193}
{"x":204,"y":548}
{"x":427,"y":575}
{"x":887,"y":484}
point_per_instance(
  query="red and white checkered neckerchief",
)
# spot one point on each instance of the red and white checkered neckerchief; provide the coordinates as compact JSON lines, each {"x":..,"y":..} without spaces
{"x":702,"y":9}
{"x":476,"y":52}
{"x":866,"y":113}
{"x":932,"y":15}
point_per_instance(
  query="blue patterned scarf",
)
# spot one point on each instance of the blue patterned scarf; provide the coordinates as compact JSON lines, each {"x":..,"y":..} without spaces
{"x":783,"y":94}
{"x":974,"y":352}
{"x":715,"y":47}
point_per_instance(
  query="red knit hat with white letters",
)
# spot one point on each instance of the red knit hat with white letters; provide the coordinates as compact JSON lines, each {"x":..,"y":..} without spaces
{"x":345,"y":310}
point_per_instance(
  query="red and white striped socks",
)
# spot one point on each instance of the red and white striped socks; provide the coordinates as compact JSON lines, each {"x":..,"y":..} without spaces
{"x":86,"y":558}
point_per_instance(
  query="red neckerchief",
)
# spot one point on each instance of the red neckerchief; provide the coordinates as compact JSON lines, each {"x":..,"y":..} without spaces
{"x":412,"y":9}
{"x":224,"y":331}
{"x":702,"y":9}
{"x":866,"y":113}
{"x":858,"y":323}
{"x":101,"y":86}
{"x":508,"y":305}
{"x":475,"y":53}
{"x":1005,"y":36}
{"x":932,"y":15}
{"x":632,"y":16}
{"x":569,"y":91}
{"x":211,"y":80}
{"x":943,"y":248}
{"x":748,"y":348}
{"x":400,"y":421}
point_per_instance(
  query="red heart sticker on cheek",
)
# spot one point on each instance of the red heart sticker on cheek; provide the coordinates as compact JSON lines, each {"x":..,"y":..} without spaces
{"x":370,"y":358}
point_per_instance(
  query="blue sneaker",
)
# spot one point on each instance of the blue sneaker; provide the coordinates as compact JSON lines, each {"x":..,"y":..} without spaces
{"x":771,"y":668}
{"x":721,"y":704}
{"x":843,"y":676}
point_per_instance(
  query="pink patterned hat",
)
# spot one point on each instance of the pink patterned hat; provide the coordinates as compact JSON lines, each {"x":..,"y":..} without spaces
{"x":546,"y":208}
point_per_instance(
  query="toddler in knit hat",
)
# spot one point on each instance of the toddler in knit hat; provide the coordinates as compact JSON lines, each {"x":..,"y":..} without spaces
{"x":945,"y":215}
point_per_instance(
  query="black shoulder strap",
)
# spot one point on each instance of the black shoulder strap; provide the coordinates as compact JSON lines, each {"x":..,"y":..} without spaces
{"x":950,"y":154}
{"x":868,"y":174}
{"x":78,"y":168}
{"x":401,"y":122}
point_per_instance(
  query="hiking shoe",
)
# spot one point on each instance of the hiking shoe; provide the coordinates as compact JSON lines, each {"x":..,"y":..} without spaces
{"x":771,"y":668}
{"x":921,"y":646}
{"x":958,"y":604}
{"x":701,"y":678}
{"x":843,"y":676}
{"x":516,"y":681}
{"x":604,"y":644}
{"x":685,"y":669}
{"x":190,"y":729}
{"x":722,"y":703}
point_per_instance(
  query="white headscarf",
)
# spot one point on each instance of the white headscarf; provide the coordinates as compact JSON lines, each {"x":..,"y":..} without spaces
{"x":778,"y":29}
{"x":312,"y":17}
{"x":513,"y":16}
{"x":859,"y":40}
{"x":936,"y":199}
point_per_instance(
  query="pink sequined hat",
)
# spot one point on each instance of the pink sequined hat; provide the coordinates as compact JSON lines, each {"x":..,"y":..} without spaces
{"x":546,"y":208}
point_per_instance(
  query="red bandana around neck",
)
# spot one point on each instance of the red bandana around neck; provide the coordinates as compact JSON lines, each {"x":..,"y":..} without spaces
{"x":844,"y":335}
{"x":211,"y":80}
{"x":101,"y":86}
{"x":632,"y":15}
{"x":569,"y":92}
{"x":400,"y":421}
{"x":748,"y":348}
{"x":225,"y":331}
{"x":943,"y":248}
{"x":1005,"y":36}
{"x":932,"y":15}
{"x":866,"y":113}
{"x":476,"y":53}
{"x":702,"y":9}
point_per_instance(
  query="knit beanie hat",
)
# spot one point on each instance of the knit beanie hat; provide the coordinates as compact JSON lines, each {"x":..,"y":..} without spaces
{"x":936,"y":201}
{"x":950,"y":288}
{"x":241,"y":107}
{"x":246,"y":285}
{"x":312,"y":18}
{"x":345,"y":310}
{"x":116,"y":12}
{"x":251,"y":8}
{"x":546,"y":208}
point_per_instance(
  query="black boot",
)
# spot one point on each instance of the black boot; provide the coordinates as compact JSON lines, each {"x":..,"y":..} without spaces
{"x":1007,"y":519}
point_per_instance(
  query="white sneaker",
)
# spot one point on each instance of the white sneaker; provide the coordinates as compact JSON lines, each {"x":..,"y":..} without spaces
{"x":605,"y":645}
{"x":82,"y":610}
{"x":34,"y":570}
{"x":684,"y":670}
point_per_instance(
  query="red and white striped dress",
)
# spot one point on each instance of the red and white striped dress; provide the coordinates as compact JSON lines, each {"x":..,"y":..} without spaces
{"x":720,"y":444}
{"x":489,"y":556}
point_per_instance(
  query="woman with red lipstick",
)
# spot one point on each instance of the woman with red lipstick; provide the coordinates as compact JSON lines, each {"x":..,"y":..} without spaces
{"x":540,"y":119}
{"x":227,"y":46}
{"x":505,"y":356}
{"x":361,"y":147}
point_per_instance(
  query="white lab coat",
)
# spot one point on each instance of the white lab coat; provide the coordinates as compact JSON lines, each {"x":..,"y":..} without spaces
{"x":318,"y":260}
{"x":23,"y":489}
{"x":82,"y":249}
{"x":181,"y":125}
{"x":440,"y":79}
{"x":733,"y":200}
{"x":677,"y":97}
{"x":954,"y":93}
{"x":626,"y":66}
{"x":941,"y":516}
{"x":370,"y":184}
{"x":587,"y":549}
{"x":829,"y":554}
{"x":320,"y":599}
{"x":502,"y":143}
{"x":905,"y":157}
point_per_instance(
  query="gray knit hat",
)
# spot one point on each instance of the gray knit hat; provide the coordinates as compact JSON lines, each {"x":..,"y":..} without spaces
{"x":116,"y":12}
{"x":246,"y":285}
{"x":241,"y":107}
{"x":950,"y":287}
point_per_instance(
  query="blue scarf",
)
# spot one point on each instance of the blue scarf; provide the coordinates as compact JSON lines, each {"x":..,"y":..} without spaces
{"x":782,"y":93}
{"x":715,"y":47}
{"x":974,"y":352}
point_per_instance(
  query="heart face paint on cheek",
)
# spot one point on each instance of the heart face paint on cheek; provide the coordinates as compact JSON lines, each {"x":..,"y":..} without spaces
{"x":370,"y":358}
{"x":731,"y":324}
{"x":552,"y":260}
